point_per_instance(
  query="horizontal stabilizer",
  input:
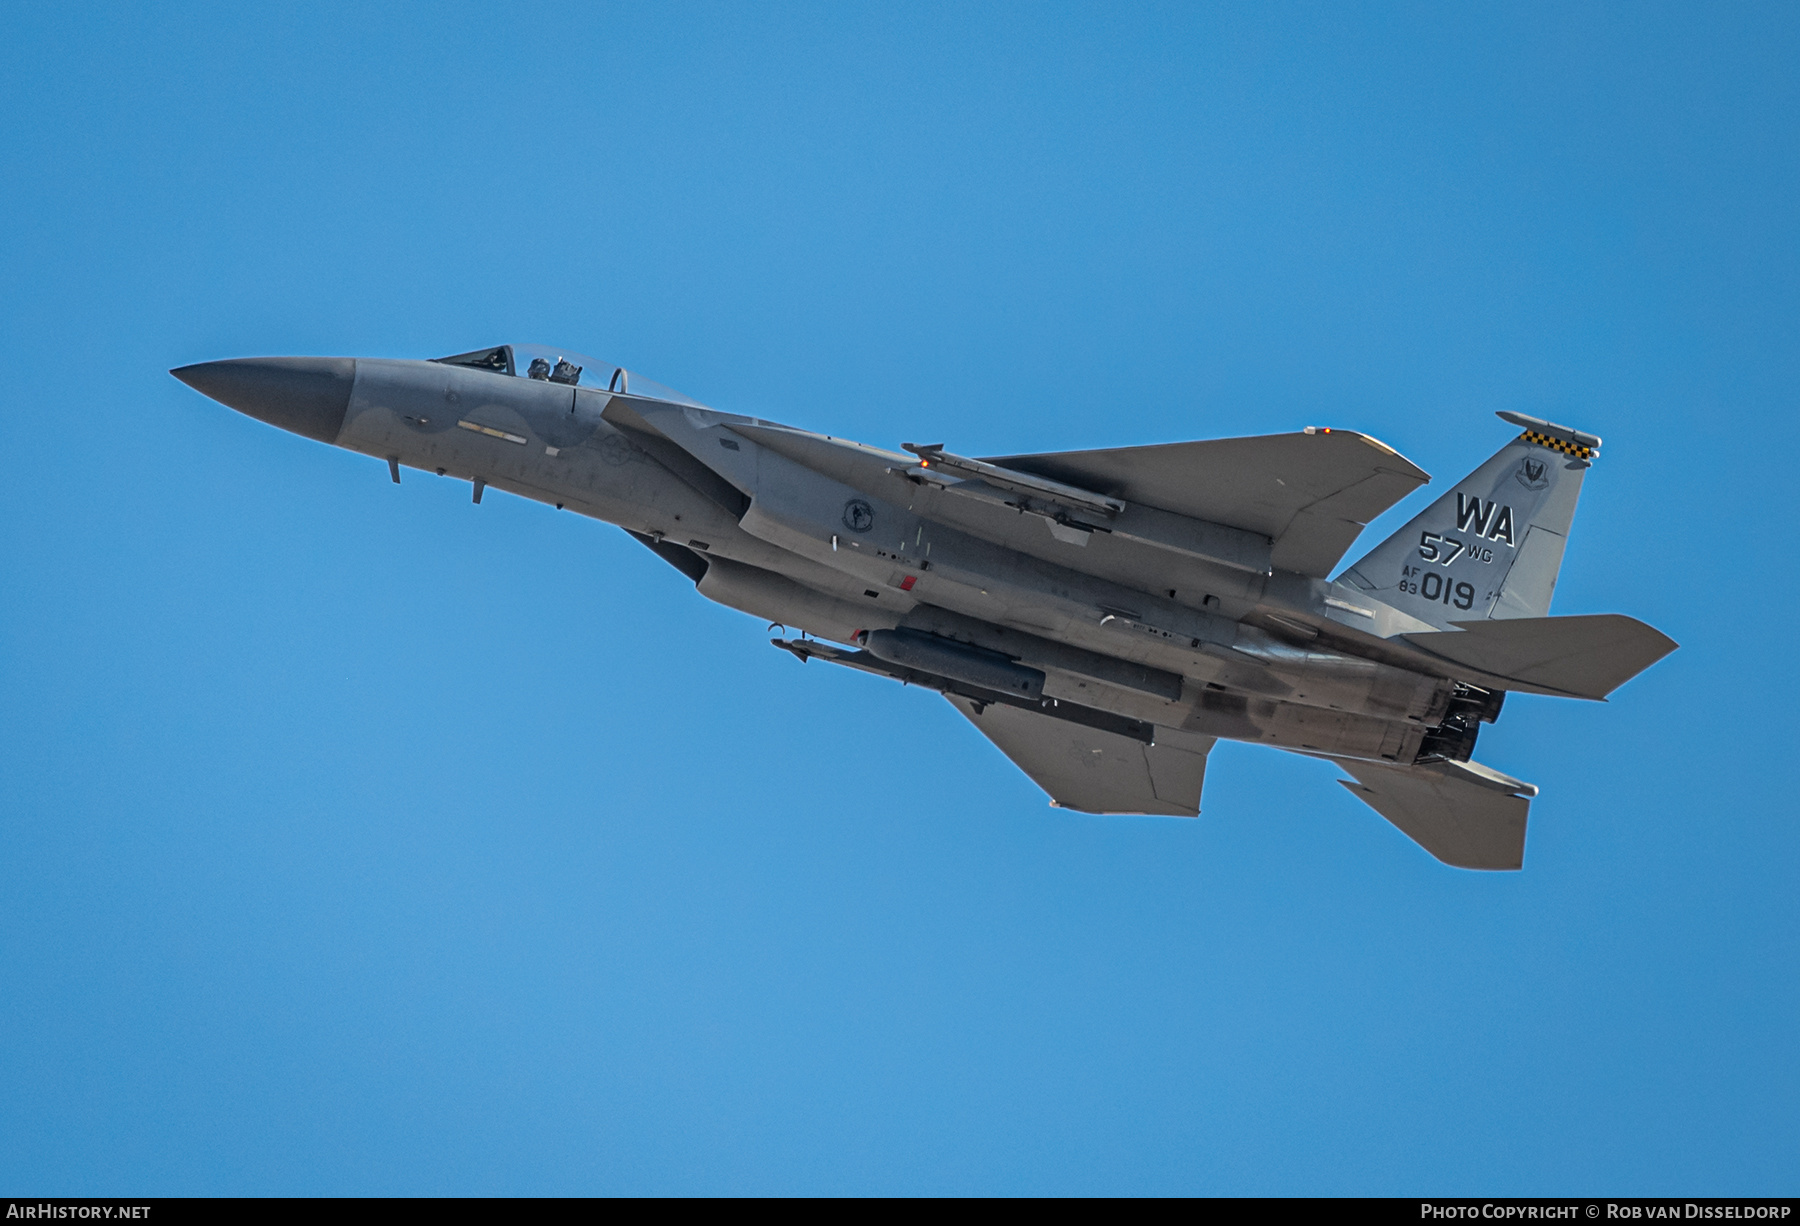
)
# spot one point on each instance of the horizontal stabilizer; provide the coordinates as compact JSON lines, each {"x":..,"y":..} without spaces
{"x":1586,"y":656}
{"x":1465,"y":814}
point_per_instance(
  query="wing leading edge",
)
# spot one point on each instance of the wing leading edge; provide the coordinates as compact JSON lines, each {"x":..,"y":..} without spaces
{"x":1311,"y":493}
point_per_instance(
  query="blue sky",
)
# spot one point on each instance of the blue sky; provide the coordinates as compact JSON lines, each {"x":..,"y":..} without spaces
{"x":360,"y":840}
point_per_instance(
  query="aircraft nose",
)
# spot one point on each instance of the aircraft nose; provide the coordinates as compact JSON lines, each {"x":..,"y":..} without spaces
{"x":306,"y":395}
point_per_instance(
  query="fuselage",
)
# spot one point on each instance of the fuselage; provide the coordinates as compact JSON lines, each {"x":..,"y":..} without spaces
{"x":838,"y":539}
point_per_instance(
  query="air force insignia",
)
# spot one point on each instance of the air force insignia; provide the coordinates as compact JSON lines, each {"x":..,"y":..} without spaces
{"x":859,"y":516}
{"x":1533,"y":474}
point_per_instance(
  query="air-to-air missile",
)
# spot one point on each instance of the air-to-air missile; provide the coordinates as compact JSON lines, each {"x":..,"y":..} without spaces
{"x":1102,"y":616}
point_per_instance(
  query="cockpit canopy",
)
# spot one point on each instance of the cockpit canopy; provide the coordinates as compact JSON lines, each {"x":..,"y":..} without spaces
{"x":560,"y":366}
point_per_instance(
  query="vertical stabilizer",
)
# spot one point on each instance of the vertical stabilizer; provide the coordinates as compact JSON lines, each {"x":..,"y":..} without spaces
{"x":1492,"y":546}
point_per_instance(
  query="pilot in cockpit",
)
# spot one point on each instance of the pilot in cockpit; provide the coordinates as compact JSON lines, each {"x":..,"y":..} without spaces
{"x":539,"y":369}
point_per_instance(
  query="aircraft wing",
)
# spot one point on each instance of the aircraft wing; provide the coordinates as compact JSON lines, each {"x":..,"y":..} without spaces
{"x":1466,"y":814}
{"x":1092,"y":770}
{"x":1311,"y":493}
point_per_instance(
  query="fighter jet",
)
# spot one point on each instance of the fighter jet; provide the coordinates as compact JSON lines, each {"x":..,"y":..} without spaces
{"x":1104,"y":617}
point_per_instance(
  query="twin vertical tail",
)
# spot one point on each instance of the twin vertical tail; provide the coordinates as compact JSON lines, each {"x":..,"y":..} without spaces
{"x":1478,"y":567}
{"x":1492,"y":546}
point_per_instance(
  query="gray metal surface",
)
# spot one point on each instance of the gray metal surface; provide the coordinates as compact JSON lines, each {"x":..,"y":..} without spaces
{"x":1586,"y":656}
{"x":1102,"y":616}
{"x":1092,"y":770}
{"x":1465,"y":818}
{"x":1309,"y":493}
{"x":308,"y":396}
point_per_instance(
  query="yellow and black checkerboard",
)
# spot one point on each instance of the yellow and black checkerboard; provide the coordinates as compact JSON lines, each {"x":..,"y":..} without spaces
{"x":1562,"y":445}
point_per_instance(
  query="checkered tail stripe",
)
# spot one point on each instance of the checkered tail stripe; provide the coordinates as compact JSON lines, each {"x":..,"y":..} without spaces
{"x":1562,"y":445}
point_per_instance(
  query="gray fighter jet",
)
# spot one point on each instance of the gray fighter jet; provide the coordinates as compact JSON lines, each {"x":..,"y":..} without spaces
{"x":1102,"y":616}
